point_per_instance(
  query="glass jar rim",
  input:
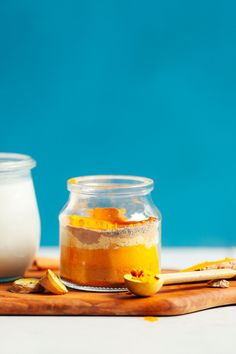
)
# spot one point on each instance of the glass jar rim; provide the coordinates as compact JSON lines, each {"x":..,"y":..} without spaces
{"x":10,"y":162}
{"x":110,"y":184}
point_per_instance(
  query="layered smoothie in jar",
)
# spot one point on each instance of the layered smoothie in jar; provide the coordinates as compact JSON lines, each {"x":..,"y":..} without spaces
{"x":102,"y":244}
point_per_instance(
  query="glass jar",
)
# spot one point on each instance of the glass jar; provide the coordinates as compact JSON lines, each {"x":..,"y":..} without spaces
{"x":109,"y":226}
{"x":19,"y":217}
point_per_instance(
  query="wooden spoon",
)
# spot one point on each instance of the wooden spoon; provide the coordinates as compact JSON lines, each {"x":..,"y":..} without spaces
{"x":149,"y":286}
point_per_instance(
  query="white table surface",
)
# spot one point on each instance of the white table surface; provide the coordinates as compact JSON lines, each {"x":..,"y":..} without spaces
{"x":211,"y":331}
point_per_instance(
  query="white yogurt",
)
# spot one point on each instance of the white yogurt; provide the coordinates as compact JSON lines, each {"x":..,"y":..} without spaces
{"x":19,"y":224}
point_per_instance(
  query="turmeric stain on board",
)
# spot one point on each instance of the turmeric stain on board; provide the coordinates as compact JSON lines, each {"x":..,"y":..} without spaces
{"x":151,"y":319}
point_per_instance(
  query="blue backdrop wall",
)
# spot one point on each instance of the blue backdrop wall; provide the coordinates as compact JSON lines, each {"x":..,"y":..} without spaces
{"x":129,"y":87}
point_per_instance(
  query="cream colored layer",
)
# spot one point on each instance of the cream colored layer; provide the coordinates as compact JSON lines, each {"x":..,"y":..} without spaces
{"x":129,"y":236}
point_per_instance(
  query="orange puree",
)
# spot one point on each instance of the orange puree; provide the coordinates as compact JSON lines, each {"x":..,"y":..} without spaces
{"x":97,"y":250}
{"x":105,"y":267}
{"x":103,"y":219}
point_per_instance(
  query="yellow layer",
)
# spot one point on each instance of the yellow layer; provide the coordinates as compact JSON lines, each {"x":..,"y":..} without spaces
{"x":103,"y":219}
{"x":106,"y":267}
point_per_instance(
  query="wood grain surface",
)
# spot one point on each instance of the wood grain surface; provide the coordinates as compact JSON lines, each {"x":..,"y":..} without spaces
{"x":171,"y":300}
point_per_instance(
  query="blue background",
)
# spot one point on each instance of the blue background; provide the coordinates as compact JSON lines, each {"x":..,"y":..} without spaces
{"x":129,"y":87}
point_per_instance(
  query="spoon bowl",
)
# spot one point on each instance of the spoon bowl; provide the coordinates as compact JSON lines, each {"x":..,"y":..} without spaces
{"x":142,"y":287}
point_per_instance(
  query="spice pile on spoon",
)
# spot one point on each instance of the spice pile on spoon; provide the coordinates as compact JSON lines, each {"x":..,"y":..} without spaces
{"x":143,"y":283}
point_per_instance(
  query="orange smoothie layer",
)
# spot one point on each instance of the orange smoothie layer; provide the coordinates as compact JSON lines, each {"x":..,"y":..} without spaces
{"x":99,"y":251}
{"x":104,"y":267}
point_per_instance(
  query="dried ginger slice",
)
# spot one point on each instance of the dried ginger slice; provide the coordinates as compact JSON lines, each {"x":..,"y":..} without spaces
{"x":26,"y":286}
{"x":222,"y":283}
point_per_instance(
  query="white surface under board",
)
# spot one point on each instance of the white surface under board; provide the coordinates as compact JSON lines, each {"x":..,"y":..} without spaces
{"x":210,"y":331}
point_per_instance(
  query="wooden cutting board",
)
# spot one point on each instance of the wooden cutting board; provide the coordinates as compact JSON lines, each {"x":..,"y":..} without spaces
{"x":171,"y":300}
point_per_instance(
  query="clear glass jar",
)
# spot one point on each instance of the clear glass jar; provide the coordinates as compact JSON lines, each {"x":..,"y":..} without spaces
{"x":109,"y":226}
{"x":19,"y":217}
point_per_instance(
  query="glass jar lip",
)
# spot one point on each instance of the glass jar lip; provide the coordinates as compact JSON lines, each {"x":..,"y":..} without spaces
{"x":110,"y":184}
{"x":10,"y":162}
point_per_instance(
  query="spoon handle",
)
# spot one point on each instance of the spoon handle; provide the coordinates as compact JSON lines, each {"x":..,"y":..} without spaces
{"x":197,"y":276}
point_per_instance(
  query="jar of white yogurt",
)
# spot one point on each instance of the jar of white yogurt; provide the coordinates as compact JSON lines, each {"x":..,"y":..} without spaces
{"x":19,"y":216}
